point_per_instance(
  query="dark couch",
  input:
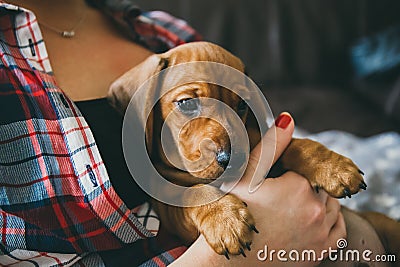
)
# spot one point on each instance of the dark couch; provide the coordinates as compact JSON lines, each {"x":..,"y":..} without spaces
{"x":300,"y":53}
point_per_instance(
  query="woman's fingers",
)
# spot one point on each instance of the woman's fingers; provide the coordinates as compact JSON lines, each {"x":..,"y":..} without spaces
{"x":284,"y":125}
{"x":322,"y":195}
{"x":277,"y":138}
{"x":332,"y":211}
{"x":334,"y":222}
{"x":338,"y":231}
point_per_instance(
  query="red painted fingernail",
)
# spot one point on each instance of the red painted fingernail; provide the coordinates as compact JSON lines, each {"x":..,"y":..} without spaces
{"x":283,"y":121}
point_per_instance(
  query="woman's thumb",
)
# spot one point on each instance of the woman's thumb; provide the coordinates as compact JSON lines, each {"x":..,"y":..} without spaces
{"x":268,"y":150}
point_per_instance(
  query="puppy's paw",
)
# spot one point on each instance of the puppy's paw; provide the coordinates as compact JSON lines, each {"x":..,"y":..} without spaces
{"x":227,"y":225}
{"x":336,"y":174}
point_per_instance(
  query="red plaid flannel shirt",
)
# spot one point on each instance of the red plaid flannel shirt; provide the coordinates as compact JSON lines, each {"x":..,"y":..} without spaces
{"x":57,"y":205}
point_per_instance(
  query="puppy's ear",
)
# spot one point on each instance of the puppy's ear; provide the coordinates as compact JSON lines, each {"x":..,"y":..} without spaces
{"x":125,"y":87}
{"x":122,"y":89}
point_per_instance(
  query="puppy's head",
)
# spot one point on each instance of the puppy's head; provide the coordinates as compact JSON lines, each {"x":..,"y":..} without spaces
{"x":205,"y":141}
{"x":202,"y":143}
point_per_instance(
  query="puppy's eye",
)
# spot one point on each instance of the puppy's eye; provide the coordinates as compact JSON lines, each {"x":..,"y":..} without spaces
{"x":242,"y":107}
{"x":188,"y":106}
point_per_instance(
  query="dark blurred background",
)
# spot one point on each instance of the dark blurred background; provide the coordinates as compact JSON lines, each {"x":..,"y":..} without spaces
{"x":333,"y":64}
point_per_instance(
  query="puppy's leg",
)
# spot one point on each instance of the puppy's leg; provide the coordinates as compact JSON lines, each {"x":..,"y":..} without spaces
{"x":226,"y":223}
{"x":336,"y":174}
{"x":387,"y":229}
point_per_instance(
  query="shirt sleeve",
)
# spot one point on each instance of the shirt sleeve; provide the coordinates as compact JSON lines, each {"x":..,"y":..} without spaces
{"x":156,"y":30}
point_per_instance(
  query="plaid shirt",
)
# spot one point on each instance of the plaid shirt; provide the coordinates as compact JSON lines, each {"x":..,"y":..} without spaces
{"x":57,"y":205}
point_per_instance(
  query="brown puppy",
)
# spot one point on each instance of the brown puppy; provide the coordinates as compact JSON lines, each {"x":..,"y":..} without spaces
{"x":336,"y":174}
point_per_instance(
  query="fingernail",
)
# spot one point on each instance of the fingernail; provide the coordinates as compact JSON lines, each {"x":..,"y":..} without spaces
{"x":283,"y":121}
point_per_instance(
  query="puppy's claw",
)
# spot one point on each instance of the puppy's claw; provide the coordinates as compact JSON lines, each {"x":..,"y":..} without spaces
{"x":227,"y":238}
{"x":347,"y":192}
{"x":226,"y":255}
{"x":248,"y":244}
{"x":252,"y":227}
{"x":361,"y":172}
{"x":363,"y":185}
{"x":242,"y":252}
{"x":316,"y":188}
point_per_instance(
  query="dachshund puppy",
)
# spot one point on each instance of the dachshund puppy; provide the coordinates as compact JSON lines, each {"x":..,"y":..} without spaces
{"x":324,"y":169}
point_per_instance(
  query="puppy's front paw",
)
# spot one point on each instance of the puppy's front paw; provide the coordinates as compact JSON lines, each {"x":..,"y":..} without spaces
{"x":337,"y":175}
{"x":227,"y":225}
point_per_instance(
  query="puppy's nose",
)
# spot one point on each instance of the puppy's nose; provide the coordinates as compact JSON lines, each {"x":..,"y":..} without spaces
{"x":223,"y":158}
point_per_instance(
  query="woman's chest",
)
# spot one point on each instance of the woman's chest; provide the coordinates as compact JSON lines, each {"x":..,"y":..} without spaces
{"x":86,"y":65}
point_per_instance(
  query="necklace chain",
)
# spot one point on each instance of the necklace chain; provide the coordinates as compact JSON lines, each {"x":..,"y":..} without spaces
{"x":65,"y":33}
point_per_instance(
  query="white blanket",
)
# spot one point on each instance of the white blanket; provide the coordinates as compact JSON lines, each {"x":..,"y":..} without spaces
{"x":379,"y":158}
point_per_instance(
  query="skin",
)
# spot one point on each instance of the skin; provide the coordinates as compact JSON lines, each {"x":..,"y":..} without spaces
{"x":89,"y":50}
{"x":322,"y":223}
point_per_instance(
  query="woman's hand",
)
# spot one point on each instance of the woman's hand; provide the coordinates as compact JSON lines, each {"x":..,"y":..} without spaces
{"x":288,"y":214}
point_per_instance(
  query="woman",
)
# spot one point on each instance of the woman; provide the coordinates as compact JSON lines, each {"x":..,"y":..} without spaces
{"x":57,"y":194}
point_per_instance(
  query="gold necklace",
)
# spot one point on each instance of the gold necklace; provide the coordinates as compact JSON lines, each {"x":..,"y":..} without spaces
{"x":65,"y":33}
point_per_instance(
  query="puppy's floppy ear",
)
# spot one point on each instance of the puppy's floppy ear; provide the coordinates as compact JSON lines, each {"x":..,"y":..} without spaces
{"x":123,"y":89}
